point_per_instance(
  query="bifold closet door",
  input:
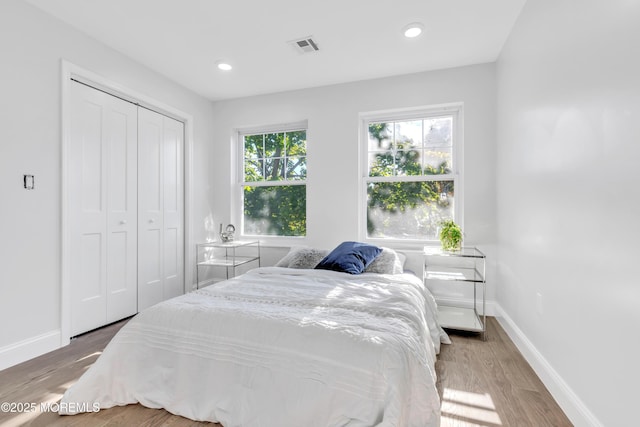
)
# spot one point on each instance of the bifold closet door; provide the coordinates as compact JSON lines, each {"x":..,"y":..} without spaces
{"x":160,"y":208}
{"x":102,"y":208}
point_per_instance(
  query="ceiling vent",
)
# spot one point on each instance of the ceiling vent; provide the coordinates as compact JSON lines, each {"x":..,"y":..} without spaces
{"x":305,"y":45}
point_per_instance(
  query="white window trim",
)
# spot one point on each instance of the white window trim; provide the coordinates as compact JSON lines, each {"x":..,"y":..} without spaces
{"x":237,"y":199}
{"x":455,"y":109}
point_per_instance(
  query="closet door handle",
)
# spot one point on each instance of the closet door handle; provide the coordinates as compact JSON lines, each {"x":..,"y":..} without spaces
{"x":123,"y":222}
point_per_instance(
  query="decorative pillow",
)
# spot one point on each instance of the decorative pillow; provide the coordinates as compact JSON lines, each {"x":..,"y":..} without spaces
{"x":388,"y":262}
{"x":302,"y":257}
{"x":350,"y":257}
{"x":286,"y":260}
{"x":403,"y":259}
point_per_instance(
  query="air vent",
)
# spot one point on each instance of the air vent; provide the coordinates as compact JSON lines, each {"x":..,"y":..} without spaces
{"x":305,"y":45}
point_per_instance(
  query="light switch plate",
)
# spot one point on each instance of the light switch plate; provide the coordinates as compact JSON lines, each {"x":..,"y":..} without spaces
{"x":29,"y":182}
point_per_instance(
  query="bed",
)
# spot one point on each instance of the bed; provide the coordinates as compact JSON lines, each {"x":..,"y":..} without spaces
{"x":279,"y":346}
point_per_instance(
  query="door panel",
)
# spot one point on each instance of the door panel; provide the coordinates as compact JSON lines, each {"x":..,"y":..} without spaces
{"x":149,"y":209}
{"x":102,"y":204}
{"x":173,"y":208}
{"x":122,"y":293}
{"x":88,"y":151}
{"x":149,"y":169}
{"x":160,"y":208}
{"x":90,"y":270}
{"x":121,"y":165}
{"x":149,"y":279}
{"x":172,"y":266}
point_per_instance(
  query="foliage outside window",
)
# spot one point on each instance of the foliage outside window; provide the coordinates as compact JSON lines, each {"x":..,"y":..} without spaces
{"x":410,"y":175}
{"x":274,"y":172}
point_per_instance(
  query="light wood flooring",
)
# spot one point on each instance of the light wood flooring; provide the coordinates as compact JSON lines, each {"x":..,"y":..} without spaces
{"x":481,"y":383}
{"x":489,"y":383}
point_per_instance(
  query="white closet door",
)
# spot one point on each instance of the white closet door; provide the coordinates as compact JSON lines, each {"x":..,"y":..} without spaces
{"x":160,"y":208}
{"x":102,"y":208}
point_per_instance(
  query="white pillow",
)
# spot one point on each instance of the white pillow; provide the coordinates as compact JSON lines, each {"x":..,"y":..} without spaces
{"x":302,"y":257}
{"x":388,"y":262}
{"x":403,"y":259}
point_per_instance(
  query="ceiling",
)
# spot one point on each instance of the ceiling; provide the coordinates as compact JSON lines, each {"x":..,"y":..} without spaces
{"x":358,"y":39}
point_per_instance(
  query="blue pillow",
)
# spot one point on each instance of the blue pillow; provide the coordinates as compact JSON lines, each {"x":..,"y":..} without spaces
{"x":350,"y":257}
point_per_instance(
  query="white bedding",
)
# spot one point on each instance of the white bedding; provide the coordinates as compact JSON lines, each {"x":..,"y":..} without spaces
{"x":279,"y":347}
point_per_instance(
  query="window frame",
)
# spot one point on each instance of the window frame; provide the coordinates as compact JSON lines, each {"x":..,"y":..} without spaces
{"x":238,"y":205}
{"x":455,"y":110}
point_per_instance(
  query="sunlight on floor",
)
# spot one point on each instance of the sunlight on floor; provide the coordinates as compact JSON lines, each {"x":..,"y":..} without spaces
{"x":96,"y":354}
{"x":463,"y":408}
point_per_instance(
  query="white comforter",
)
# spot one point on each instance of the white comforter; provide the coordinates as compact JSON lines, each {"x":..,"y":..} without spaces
{"x":279,"y":347}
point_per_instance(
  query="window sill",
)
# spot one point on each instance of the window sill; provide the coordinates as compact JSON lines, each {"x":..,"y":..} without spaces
{"x":277,"y":241}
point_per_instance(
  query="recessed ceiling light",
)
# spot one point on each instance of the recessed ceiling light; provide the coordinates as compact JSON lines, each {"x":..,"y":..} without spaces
{"x":224,"y":66}
{"x":413,"y":30}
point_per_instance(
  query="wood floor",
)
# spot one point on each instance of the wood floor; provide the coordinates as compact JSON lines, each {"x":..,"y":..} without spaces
{"x":488,"y":383}
{"x":481,"y":383}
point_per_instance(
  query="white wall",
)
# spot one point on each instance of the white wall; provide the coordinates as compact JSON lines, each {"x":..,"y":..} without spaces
{"x":566,"y":156}
{"x":569,"y":201}
{"x":332,"y":114}
{"x":33,"y":44}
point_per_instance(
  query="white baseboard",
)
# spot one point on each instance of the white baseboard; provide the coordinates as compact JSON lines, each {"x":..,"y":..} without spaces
{"x":573,"y":407}
{"x":24,"y":350}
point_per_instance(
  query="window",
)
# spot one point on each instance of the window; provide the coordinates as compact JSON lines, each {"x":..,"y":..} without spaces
{"x":411,"y":173}
{"x":274,"y":192}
